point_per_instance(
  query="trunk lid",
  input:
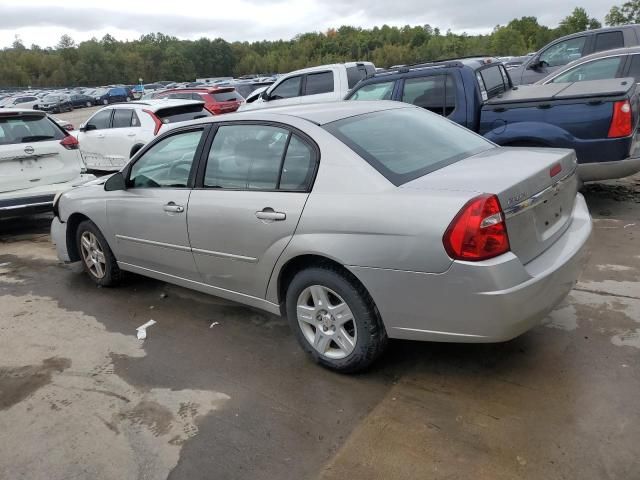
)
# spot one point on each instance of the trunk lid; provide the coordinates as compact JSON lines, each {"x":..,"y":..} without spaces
{"x":26,"y":160}
{"x":536,"y":187}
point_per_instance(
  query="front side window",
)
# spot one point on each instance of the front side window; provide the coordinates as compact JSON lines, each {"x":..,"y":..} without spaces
{"x":435,"y":93}
{"x":563,"y":52}
{"x":406,"y":143}
{"x":609,"y":41}
{"x":374,"y":91}
{"x":600,"y":69}
{"x":319,"y":83}
{"x":101,"y":120}
{"x":246,"y":157}
{"x":167,"y":164}
{"x":289,"y":88}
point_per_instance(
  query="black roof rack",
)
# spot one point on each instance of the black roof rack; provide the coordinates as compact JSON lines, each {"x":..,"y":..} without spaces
{"x":446,"y":62}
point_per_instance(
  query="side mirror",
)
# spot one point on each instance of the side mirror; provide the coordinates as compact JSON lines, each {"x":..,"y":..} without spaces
{"x":87,"y":127}
{"x":265,"y":96}
{"x":115,"y":182}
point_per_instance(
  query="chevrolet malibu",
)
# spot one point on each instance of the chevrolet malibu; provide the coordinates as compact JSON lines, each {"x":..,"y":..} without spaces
{"x":358,"y":221}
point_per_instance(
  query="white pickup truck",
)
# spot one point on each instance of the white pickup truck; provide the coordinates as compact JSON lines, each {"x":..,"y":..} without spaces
{"x":325,"y":83}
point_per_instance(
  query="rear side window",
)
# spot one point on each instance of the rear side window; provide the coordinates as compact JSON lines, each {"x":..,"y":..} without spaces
{"x":406,"y":143}
{"x":494,"y":81}
{"x":122,"y":117}
{"x":374,"y":91}
{"x":608,"y":41}
{"x":319,"y":83}
{"x":435,"y":93}
{"x":355,"y":74}
{"x":259,"y":157}
{"x":27,"y":129}
{"x":231,"y":96}
{"x":183,"y":113}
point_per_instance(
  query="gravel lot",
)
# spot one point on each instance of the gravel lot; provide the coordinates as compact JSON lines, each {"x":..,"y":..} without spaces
{"x":81,"y":397}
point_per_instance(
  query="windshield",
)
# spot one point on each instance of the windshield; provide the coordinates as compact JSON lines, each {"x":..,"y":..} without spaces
{"x":406,"y":143}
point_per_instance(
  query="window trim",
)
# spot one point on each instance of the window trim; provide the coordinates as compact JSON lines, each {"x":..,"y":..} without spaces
{"x":197,"y":157}
{"x":204,"y":156}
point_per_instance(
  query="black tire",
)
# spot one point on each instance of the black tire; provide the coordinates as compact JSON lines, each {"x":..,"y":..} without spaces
{"x":371,"y":337}
{"x":88,"y":104}
{"x":112,"y":273}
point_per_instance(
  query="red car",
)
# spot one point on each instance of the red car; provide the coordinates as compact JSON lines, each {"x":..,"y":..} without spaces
{"x":216,"y":100}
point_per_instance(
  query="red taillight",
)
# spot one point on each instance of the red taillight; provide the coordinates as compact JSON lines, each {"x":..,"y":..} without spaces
{"x":70,"y":142}
{"x":621,"y":123}
{"x":478,"y":232}
{"x":156,"y":120}
{"x":556,"y":169}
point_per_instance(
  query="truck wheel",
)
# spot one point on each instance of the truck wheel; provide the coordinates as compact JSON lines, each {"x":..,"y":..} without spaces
{"x":97,"y":258}
{"x":334,"y":319}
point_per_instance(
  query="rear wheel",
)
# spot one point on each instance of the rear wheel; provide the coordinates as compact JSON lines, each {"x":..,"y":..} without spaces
{"x":105,"y":102}
{"x":88,"y":104}
{"x":334,"y":319}
{"x":97,"y":258}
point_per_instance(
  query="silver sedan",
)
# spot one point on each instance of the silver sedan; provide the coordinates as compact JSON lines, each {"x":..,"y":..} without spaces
{"x":358,"y":221}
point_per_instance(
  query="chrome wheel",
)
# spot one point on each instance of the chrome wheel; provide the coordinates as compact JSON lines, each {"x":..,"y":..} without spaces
{"x":326,"y":321}
{"x":92,"y":254}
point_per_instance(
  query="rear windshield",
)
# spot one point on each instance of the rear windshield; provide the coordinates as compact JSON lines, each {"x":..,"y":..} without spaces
{"x":27,"y":129}
{"x":183,"y":113}
{"x":357,"y":73}
{"x":406,"y":143}
{"x":231,"y":96}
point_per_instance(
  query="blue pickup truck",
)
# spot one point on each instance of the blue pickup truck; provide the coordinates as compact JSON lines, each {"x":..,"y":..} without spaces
{"x":598,"y":119}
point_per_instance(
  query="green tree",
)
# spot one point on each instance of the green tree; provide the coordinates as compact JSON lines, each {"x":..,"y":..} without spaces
{"x":578,"y":21}
{"x":629,"y":12}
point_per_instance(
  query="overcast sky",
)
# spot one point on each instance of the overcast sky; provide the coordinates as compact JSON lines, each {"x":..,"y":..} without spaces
{"x":43,"y":22}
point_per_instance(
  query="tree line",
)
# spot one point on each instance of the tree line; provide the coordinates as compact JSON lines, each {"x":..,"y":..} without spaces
{"x":158,"y":56}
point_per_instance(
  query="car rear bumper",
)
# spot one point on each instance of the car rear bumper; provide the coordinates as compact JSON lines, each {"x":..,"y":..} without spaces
{"x":35,"y":200}
{"x":595,"y":171}
{"x":490,"y":301}
{"x":59,"y":239}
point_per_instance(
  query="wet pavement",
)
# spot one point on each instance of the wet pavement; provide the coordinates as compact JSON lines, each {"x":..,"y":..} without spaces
{"x":81,"y":397}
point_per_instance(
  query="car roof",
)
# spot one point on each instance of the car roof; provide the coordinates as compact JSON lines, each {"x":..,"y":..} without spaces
{"x":634,"y":26}
{"x":22,"y":110}
{"x":326,"y":67}
{"x":318,"y":113}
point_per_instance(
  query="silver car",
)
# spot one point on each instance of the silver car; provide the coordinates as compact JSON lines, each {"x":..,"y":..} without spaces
{"x":358,"y":221}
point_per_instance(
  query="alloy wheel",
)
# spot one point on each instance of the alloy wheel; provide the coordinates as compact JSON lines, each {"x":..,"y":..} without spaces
{"x":326,"y":321}
{"x":93,"y":254}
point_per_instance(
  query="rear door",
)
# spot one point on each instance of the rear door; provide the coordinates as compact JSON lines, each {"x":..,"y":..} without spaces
{"x":92,"y":140}
{"x":121,"y":137}
{"x":247,"y":202}
{"x":148,"y":220}
{"x":31,"y":154}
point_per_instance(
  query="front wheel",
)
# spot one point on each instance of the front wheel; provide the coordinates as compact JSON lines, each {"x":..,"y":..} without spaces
{"x":335,"y":319}
{"x":105,"y":102}
{"x":97,"y":258}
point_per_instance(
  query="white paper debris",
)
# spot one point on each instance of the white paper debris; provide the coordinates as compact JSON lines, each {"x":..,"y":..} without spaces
{"x":214,"y":324}
{"x":142,"y":329}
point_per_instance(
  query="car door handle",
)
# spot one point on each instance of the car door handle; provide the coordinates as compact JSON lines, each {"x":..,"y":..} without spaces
{"x":173,"y":208}
{"x":100,"y":136}
{"x":131,"y":134}
{"x":269,"y":213}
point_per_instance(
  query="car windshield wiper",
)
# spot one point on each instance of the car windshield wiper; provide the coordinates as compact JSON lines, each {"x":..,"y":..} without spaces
{"x":36,"y":138}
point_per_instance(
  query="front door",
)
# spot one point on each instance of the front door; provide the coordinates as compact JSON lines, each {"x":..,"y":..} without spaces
{"x":92,"y":139}
{"x":245,"y":209}
{"x":148,"y":220}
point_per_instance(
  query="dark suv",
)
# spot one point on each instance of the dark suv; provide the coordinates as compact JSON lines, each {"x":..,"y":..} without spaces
{"x":112,"y":95}
{"x":572,"y":47}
